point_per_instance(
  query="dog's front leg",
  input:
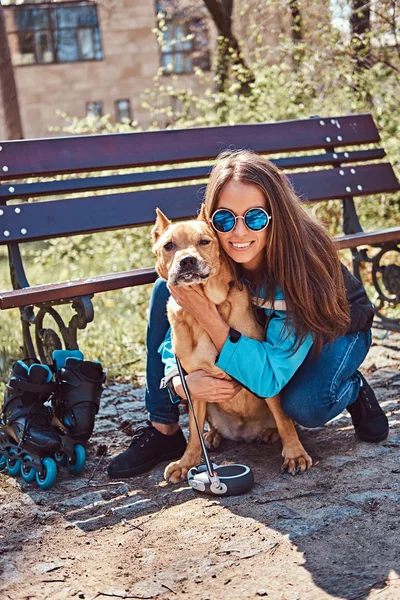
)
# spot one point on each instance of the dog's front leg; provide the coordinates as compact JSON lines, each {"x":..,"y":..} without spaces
{"x":295,"y":457}
{"x":178,"y":470}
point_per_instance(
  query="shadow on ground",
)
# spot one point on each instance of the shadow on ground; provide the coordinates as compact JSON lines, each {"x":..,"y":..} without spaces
{"x":330,"y":533}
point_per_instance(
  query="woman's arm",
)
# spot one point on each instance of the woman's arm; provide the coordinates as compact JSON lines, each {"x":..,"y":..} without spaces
{"x":263,"y":367}
{"x":193,"y":300}
{"x":202,"y":386}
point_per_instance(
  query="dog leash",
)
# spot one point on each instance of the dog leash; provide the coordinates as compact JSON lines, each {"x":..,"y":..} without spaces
{"x":229,"y":480}
{"x":213,"y":475}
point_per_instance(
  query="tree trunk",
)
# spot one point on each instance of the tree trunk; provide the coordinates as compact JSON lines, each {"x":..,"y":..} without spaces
{"x":360,"y":24}
{"x":228,"y":51}
{"x":297,"y":33}
{"x":8,"y":90}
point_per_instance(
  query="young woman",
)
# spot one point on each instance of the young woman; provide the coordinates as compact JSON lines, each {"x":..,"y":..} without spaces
{"x":317,"y":317}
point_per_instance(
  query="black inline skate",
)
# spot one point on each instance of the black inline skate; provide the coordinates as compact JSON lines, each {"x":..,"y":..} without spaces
{"x":76,"y":403}
{"x":28,"y":441}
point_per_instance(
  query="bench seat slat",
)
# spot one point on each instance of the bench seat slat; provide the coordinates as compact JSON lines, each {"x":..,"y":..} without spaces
{"x":58,"y":187}
{"x":103,"y":283}
{"x":76,"y":287}
{"x":26,"y":158}
{"x":46,"y":220}
{"x":354,"y":240}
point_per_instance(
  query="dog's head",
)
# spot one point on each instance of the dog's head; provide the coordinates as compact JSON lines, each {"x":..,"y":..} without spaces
{"x":187,"y":252}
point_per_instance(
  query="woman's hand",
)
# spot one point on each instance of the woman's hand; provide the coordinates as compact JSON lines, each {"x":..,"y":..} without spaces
{"x":206,"y":388}
{"x":193,"y":299}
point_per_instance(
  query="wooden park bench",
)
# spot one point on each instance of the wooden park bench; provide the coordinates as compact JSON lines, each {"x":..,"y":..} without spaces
{"x":326,"y":156}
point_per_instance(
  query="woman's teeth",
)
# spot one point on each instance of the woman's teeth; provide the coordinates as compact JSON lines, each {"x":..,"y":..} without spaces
{"x":241,"y":245}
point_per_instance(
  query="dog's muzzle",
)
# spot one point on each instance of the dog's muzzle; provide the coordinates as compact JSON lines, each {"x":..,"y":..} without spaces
{"x":188,"y":270}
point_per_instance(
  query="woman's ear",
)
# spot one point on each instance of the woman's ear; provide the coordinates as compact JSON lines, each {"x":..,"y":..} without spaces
{"x":202,"y":215}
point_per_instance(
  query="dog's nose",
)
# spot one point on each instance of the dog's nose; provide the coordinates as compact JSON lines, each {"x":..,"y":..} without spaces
{"x":187,"y":262}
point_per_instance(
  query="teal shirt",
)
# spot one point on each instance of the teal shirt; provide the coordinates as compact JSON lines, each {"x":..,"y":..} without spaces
{"x":263,"y":367}
{"x":167,"y":355}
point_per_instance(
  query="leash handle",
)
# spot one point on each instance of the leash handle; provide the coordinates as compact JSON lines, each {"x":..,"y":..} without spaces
{"x":213,"y":476}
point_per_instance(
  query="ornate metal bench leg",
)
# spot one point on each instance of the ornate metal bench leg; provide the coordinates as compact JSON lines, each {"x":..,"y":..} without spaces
{"x":29,"y":348}
{"x":386,"y":280}
{"x":351,"y":224}
{"x":47,"y":340}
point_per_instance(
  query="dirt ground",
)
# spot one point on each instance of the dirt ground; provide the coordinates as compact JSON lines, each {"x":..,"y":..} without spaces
{"x":332,"y":533}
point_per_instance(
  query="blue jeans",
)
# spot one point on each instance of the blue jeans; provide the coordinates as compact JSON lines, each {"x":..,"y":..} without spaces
{"x":158,"y":403}
{"x":318,"y":391}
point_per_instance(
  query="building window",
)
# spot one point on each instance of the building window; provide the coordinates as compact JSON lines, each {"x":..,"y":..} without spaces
{"x":185,"y":42}
{"x":123,"y":110}
{"x":53,"y":33}
{"x":94,"y":109}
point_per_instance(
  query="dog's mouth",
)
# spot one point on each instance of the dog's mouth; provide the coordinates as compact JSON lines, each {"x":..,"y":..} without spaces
{"x":189,"y":278}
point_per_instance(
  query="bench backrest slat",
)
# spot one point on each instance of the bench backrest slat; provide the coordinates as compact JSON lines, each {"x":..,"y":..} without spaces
{"x":45,"y":220}
{"x":65,"y":186}
{"x":25,"y":158}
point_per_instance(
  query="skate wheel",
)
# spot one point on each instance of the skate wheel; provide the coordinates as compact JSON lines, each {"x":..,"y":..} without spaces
{"x":3,"y":462}
{"x":77,"y":462}
{"x":28,"y":473}
{"x":49,"y":474}
{"x":13,"y":464}
{"x":60,"y":458}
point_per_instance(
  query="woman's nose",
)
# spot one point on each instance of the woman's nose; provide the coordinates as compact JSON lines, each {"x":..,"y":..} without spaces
{"x":240,"y":228}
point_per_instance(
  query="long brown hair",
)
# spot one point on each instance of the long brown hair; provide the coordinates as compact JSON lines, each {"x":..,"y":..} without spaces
{"x":299,"y":254}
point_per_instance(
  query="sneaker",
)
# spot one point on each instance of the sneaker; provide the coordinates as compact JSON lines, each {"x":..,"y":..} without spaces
{"x":369,"y":420}
{"x":148,"y":448}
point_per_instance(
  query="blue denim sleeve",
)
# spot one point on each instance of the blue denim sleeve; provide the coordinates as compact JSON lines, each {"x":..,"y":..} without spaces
{"x":264,"y":367}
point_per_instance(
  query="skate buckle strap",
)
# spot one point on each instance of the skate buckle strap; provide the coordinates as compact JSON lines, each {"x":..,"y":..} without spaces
{"x":31,"y":412}
{"x":27,"y":386}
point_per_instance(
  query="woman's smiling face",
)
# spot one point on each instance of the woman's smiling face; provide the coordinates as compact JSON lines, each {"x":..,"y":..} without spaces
{"x":243,"y":245}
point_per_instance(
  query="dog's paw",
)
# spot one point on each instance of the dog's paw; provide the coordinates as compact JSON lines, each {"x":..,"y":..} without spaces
{"x":175,"y":472}
{"x":212,"y":439}
{"x":295,"y":459}
{"x":270,"y":436}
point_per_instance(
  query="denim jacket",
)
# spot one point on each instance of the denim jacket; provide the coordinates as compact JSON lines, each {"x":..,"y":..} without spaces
{"x":266,"y":367}
{"x":263,"y":367}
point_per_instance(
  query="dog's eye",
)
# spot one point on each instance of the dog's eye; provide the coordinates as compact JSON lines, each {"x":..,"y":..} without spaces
{"x":168,"y":246}
{"x":204,"y":242}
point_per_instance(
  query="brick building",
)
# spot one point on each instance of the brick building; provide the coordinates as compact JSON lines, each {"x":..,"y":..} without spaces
{"x":80,"y":57}
{"x":86,"y":56}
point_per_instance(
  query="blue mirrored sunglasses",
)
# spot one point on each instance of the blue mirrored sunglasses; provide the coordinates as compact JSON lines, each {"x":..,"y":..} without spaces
{"x":255,"y":219}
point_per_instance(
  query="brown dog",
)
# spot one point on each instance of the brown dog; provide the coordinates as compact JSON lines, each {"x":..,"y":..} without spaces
{"x":188,"y":254}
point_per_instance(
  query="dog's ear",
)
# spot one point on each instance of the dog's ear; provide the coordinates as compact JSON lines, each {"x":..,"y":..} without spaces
{"x":203,"y":214}
{"x":161,"y":224}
